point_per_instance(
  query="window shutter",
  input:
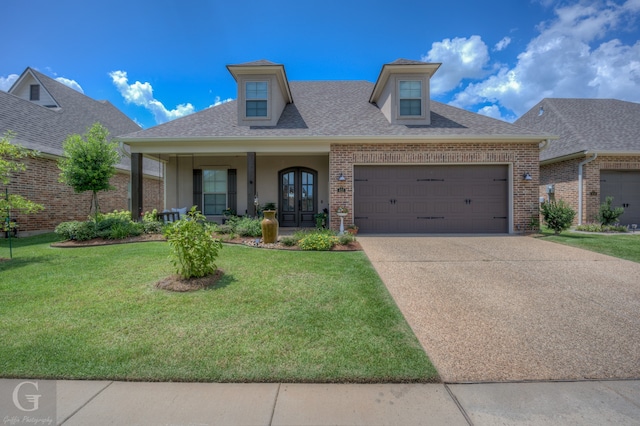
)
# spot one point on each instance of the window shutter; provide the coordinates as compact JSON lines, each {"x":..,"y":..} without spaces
{"x":232,"y":189}
{"x":197,"y":189}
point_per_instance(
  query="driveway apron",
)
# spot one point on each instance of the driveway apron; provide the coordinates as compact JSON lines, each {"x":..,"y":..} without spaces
{"x":511,"y":308}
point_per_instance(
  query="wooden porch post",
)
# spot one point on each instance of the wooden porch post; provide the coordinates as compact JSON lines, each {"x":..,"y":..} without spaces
{"x":251,"y":183}
{"x":136,"y":186}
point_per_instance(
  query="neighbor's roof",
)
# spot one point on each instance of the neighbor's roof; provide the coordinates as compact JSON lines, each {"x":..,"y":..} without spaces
{"x":45,"y":129}
{"x":332,"y":109}
{"x":594,"y":125}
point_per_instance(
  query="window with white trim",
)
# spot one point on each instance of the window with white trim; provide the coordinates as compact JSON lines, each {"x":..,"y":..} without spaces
{"x":214,"y":191}
{"x":256,"y":97}
{"x":410,"y":95}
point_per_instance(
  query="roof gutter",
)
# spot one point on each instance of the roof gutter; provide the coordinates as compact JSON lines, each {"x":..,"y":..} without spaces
{"x":580,"y":185}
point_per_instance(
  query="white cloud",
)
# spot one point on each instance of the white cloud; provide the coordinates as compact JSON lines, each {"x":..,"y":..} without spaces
{"x":462,"y":58}
{"x":219,"y":101}
{"x":573,"y":56}
{"x":141,"y":94}
{"x":502,"y":44}
{"x":492,"y":111}
{"x":6,"y":82}
{"x":71,"y":83}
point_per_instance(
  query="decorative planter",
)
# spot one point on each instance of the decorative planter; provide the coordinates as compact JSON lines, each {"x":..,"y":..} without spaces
{"x":269,"y":227}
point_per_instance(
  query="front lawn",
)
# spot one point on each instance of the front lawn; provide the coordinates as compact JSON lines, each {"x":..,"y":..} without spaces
{"x":624,"y":246}
{"x":275,"y":316}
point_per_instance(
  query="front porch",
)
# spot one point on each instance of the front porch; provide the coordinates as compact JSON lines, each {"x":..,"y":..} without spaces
{"x":298,"y":184}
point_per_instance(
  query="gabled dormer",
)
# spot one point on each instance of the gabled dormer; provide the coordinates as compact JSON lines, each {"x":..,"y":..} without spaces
{"x":30,"y":88}
{"x":263,"y":92}
{"x":402,"y":92}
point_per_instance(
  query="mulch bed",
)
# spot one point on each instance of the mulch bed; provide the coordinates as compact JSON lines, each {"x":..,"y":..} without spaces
{"x":179,"y":284}
{"x":104,"y":242}
{"x":251,"y":242}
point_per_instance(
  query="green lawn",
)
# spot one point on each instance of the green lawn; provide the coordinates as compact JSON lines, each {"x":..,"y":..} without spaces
{"x":275,"y":316}
{"x":624,"y":246}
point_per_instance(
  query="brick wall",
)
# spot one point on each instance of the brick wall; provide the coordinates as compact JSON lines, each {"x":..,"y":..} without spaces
{"x":523,"y":157}
{"x":564,"y":175}
{"x":39,"y":183}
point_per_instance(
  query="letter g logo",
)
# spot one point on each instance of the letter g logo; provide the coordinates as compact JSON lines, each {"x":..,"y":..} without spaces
{"x":30,"y":398}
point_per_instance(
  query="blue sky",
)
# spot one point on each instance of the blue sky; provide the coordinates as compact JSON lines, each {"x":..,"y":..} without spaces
{"x":159,"y":60}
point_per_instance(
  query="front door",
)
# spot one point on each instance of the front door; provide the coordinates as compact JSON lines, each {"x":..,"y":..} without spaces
{"x":298,"y":197}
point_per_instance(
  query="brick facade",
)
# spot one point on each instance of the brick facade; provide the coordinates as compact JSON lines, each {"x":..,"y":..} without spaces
{"x":522,"y":157}
{"x":39,"y":183}
{"x":564,"y":176}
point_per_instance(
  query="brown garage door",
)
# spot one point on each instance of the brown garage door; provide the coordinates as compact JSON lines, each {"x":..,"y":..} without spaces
{"x":431,"y":199}
{"x":624,"y":187}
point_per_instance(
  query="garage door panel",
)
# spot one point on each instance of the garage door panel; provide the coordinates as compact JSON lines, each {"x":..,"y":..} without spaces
{"x":431,"y":199}
{"x":624,"y":187}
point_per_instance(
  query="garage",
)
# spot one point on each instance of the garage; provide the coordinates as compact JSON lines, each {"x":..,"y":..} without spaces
{"x":431,"y":199}
{"x":624,"y":187}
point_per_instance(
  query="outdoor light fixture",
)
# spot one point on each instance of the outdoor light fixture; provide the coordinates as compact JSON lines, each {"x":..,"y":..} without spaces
{"x":527,"y":176}
{"x":341,"y":178}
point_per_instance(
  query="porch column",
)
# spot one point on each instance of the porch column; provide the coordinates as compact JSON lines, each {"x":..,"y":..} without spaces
{"x":251,"y":183}
{"x":136,"y":186}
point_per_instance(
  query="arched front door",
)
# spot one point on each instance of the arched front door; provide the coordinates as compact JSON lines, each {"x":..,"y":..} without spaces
{"x":298,"y":197}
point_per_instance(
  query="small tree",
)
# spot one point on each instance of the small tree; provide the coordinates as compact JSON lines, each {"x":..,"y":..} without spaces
{"x":557,"y":215}
{"x":609,"y":215}
{"x":10,"y":156}
{"x":193,"y":248}
{"x":89,"y":163}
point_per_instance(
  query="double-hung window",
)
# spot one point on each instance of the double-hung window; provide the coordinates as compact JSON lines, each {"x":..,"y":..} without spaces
{"x":256,"y":95}
{"x":410,"y":98}
{"x":214,"y":191}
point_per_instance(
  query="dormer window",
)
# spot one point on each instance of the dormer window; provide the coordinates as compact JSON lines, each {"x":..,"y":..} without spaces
{"x":410,"y":95}
{"x":257,"y":97}
{"x":402,"y":92}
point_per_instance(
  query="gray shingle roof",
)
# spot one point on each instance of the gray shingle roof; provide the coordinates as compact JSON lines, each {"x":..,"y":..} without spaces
{"x":596,"y":125}
{"x":331,"y":109}
{"x":44,"y":129}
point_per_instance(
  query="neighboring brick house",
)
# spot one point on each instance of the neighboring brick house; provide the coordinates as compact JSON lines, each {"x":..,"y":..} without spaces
{"x":597,"y":154}
{"x":43,"y":113}
{"x":399,"y":162}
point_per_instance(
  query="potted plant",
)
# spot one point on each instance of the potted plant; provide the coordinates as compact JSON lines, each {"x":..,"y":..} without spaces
{"x":352,"y":229}
{"x":342,"y":211}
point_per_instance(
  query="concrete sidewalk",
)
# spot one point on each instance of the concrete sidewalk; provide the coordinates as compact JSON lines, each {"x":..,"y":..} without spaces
{"x":136,"y":403}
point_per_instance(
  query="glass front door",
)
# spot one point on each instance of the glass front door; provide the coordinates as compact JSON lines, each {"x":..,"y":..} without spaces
{"x":298,"y":197}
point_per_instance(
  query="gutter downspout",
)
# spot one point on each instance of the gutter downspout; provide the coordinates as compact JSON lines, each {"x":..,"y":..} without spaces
{"x":580,"y":185}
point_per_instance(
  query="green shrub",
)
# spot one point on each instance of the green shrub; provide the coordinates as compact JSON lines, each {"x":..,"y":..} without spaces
{"x":589,"y":227}
{"x":86,"y":231}
{"x":609,"y":215}
{"x":150,"y":223}
{"x":153,"y":227}
{"x":193,"y":248}
{"x":248,"y":227}
{"x":320,"y":241}
{"x":68,"y":230}
{"x":123,"y":215}
{"x":346,"y":238}
{"x":103,"y":227}
{"x":557,"y":215}
{"x":289,"y":241}
{"x":226,"y":228}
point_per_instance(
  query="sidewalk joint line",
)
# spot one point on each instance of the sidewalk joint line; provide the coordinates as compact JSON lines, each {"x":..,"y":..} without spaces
{"x":460,"y":407}
{"x":275,"y":402}
{"x":85,"y":404}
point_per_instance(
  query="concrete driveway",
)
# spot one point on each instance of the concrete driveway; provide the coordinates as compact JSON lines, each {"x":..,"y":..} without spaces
{"x":509,"y":308}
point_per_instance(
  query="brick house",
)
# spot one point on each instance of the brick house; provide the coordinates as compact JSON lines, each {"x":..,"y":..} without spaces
{"x":398,"y":161}
{"x":42,"y":113}
{"x":597,"y":154}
